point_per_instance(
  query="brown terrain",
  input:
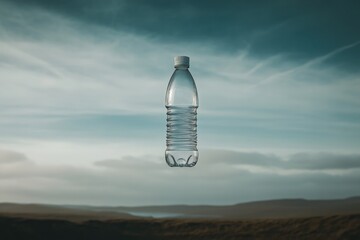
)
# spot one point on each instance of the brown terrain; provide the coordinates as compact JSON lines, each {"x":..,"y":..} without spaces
{"x":275,"y":219}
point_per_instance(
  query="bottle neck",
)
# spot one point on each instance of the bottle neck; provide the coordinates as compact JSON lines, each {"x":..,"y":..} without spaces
{"x":182,"y":67}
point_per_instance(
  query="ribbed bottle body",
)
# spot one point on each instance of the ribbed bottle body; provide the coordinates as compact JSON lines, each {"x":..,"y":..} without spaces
{"x":181,"y":137}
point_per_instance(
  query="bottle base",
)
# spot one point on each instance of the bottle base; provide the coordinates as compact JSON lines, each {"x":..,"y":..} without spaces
{"x":181,"y":158}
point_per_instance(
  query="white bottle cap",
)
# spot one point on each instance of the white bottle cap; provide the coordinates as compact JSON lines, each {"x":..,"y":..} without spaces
{"x":182,"y":61}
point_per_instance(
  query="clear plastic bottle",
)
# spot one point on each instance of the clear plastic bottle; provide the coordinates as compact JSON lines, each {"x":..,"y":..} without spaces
{"x":181,"y":102}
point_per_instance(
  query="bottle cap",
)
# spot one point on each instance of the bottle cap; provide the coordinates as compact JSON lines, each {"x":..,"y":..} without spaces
{"x":182,"y":61}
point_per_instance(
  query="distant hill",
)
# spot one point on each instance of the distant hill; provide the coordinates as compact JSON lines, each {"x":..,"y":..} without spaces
{"x":43,"y":211}
{"x":283,"y":208}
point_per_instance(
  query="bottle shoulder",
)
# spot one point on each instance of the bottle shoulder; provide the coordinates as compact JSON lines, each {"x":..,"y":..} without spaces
{"x":183,"y":76}
{"x":181,"y":89}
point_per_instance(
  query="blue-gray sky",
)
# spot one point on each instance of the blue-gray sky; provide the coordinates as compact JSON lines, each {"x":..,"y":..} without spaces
{"x":82,"y":116}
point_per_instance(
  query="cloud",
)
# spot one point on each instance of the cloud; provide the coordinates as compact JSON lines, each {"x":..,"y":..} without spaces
{"x":130,"y":162}
{"x":145,"y":180}
{"x":321,"y":161}
{"x":311,"y":62}
{"x":303,"y":31}
{"x":241,"y":158}
{"x":298,"y":161}
{"x":8,"y":156}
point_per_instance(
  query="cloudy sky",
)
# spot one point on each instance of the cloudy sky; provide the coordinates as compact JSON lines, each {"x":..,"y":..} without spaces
{"x":82,"y":86}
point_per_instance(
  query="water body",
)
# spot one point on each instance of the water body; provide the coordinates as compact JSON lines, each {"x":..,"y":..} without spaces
{"x":158,"y":214}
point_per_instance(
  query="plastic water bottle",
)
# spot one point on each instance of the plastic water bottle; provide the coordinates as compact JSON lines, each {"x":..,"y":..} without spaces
{"x":181,"y":102}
